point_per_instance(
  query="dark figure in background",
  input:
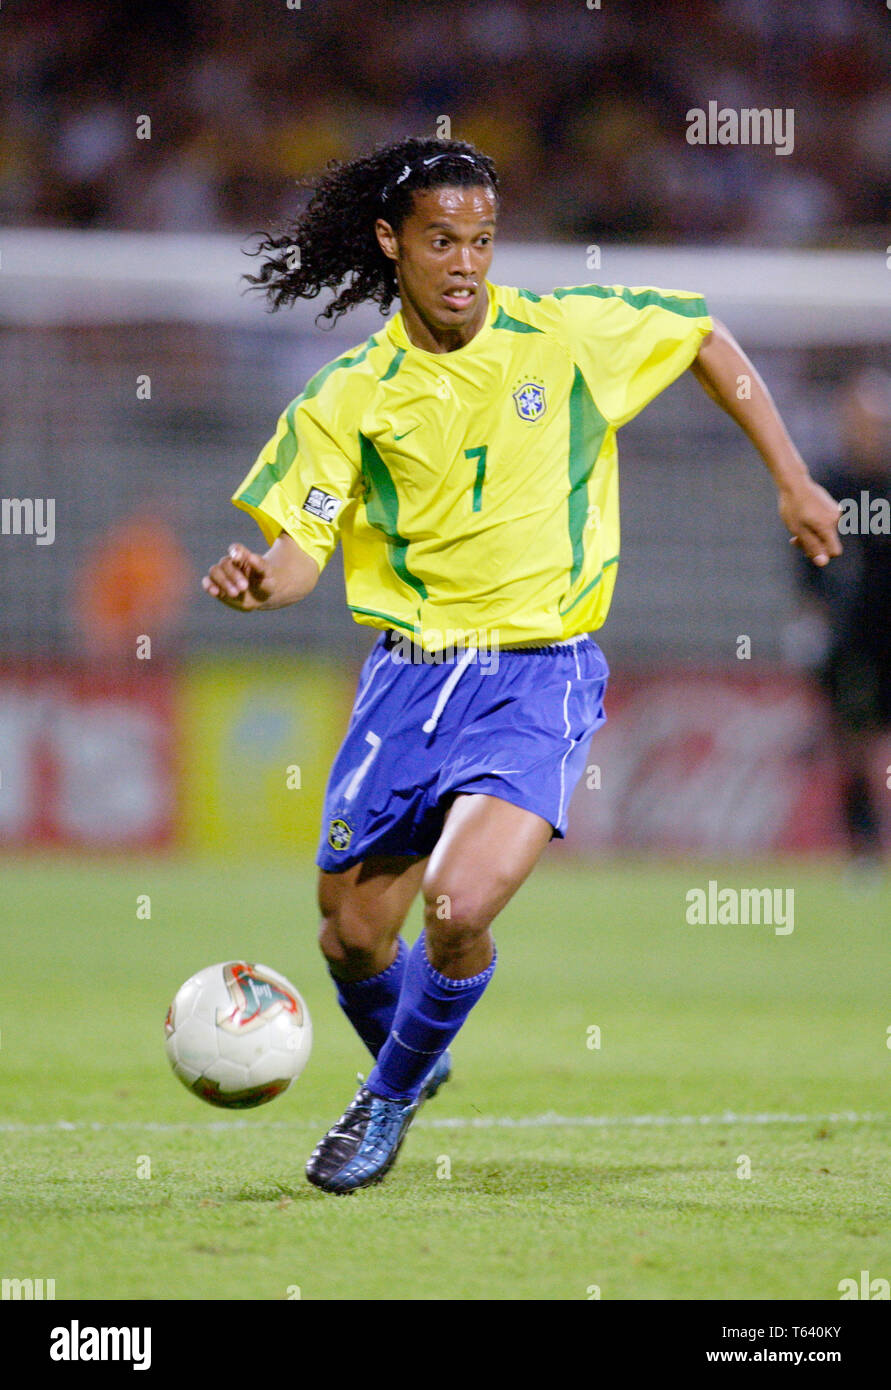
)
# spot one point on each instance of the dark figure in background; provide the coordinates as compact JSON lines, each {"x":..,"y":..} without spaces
{"x":852,"y":599}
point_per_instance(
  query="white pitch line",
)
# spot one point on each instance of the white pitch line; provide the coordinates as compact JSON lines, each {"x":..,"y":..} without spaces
{"x":546,"y":1121}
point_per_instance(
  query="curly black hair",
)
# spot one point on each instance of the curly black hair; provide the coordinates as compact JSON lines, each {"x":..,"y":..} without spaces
{"x":334,"y":240}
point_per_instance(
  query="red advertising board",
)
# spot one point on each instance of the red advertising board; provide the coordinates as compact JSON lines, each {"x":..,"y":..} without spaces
{"x":86,"y":756}
{"x":706,"y":762}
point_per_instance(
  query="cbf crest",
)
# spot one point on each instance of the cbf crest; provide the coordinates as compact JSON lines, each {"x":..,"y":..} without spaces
{"x":339,"y":834}
{"x":530,"y":401}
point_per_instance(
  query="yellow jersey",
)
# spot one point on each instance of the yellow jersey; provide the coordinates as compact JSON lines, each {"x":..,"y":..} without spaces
{"x":475,"y":492}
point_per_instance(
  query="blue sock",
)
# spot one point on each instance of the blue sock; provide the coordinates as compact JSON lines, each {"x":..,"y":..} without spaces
{"x":370,"y":1005}
{"x":430,"y":1011}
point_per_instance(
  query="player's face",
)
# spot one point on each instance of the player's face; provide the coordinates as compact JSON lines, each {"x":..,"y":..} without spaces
{"x":443,"y":252}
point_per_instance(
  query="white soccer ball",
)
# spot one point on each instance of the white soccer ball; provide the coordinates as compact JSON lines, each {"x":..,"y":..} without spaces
{"x":238,"y":1034}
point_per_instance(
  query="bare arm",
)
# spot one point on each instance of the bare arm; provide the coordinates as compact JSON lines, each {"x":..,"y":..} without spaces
{"x":806,"y":509}
{"x":243,"y":580}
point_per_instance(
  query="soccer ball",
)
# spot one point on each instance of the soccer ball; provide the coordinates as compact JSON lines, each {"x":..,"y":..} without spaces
{"x":238,"y":1035}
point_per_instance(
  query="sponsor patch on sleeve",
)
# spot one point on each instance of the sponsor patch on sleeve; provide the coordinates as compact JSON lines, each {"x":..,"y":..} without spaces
{"x":322,"y":504}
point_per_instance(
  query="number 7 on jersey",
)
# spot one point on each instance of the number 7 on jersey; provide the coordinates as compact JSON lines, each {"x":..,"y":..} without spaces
{"x":480,"y":455}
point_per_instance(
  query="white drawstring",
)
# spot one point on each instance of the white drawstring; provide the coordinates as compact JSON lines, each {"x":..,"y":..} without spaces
{"x":445,"y":694}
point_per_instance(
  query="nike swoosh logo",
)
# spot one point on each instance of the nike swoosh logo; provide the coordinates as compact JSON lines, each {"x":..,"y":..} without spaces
{"x":405,"y":432}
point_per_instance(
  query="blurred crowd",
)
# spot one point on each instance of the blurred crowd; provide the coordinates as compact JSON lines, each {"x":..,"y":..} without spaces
{"x":583,"y":109}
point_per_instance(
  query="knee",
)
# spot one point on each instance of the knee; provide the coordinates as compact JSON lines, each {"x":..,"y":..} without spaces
{"x":349,"y":940}
{"x":455,"y":917}
{"x":465,"y":902}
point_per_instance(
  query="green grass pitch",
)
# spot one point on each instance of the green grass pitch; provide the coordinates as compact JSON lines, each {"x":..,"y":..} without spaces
{"x":549,"y":1168}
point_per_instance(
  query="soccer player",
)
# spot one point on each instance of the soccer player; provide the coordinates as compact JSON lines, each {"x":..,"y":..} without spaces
{"x":852,"y":603}
{"x":465,"y":458}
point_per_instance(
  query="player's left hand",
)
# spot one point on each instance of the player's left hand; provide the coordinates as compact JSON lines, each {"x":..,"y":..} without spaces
{"x":808,"y":511}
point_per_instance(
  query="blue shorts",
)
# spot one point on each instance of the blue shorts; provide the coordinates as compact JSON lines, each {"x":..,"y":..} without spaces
{"x":515,"y":724}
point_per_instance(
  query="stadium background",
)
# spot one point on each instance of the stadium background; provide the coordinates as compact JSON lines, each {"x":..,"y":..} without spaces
{"x":162,"y":759}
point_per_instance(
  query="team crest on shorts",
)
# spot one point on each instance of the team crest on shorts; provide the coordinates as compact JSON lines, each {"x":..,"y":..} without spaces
{"x":339,"y":834}
{"x":530,"y":400}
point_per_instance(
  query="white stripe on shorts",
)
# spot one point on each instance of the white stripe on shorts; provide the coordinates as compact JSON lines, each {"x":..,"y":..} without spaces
{"x":572,"y":744}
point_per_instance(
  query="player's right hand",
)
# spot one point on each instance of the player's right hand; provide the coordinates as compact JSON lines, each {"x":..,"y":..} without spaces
{"x":240,"y":579}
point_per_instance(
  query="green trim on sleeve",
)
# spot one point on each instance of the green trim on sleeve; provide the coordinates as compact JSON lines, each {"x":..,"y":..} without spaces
{"x":315,"y":383}
{"x":286,"y":452}
{"x":692,"y":308}
{"x":273,"y":472}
